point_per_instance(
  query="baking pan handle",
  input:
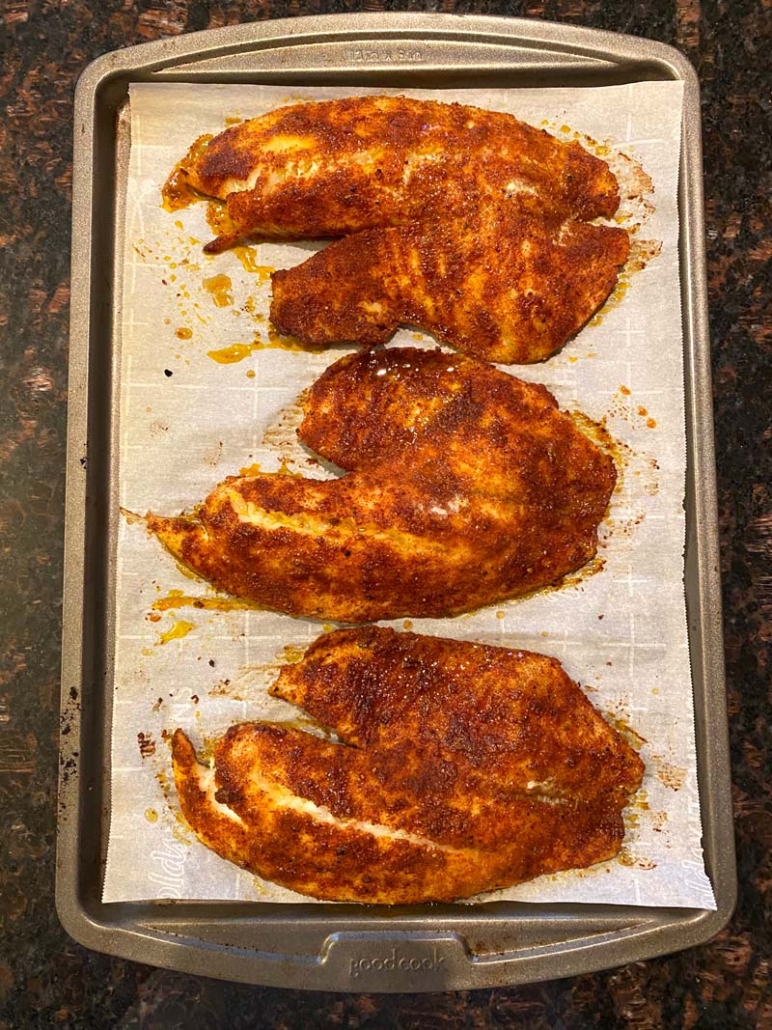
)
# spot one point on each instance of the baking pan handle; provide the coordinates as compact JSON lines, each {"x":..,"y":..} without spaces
{"x":395,"y":962}
{"x":374,"y":52}
{"x":441,"y":48}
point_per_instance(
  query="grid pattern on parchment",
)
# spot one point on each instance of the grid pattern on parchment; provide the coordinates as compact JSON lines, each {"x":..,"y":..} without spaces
{"x":187,"y":421}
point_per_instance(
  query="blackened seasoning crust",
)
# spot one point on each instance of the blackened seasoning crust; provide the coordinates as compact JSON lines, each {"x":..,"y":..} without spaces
{"x":462,"y":768}
{"x":337,"y":167}
{"x":465,"y":487}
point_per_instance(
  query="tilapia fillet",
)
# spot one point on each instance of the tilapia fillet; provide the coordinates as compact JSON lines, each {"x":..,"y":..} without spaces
{"x":493,"y":282}
{"x":461,"y":768}
{"x":464,"y":486}
{"x":341,"y":166}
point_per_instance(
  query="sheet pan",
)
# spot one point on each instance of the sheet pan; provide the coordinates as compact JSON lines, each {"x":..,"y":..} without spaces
{"x":345,"y":947}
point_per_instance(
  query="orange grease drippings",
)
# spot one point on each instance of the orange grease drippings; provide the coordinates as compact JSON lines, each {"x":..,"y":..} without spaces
{"x":177,"y":599}
{"x":219,"y":286}
{"x":248,"y":258}
{"x":230,"y":355}
{"x":177,"y":191}
{"x":179,"y":630}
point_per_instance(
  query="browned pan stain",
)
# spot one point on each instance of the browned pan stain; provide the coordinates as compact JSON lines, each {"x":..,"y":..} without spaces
{"x":671,"y":776}
{"x":627,"y":858}
{"x":146,"y":744}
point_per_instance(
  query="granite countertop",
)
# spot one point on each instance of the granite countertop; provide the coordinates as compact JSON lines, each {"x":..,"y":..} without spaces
{"x":48,"y":980}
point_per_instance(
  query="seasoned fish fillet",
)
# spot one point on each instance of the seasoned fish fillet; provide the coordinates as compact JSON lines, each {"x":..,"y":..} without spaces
{"x":493,"y":282}
{"x":466,"y":487}
{"x":461,"y":768}
{"x":337,"y":167}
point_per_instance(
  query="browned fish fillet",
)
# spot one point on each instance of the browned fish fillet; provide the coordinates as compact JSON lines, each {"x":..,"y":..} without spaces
{"x":337,"y":167}
{"x":462,"y":768}
{"x":493,"y":282}
{"x":467,"y":486}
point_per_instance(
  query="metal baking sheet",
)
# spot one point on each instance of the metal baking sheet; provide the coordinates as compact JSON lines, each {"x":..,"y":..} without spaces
{"x":326,"y":947}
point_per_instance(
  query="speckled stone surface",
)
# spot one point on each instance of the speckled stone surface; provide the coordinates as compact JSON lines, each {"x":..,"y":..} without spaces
{"x":46,"y":980}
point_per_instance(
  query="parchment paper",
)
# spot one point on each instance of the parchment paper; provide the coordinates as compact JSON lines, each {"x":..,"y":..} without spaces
{"x":188,"y":420}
